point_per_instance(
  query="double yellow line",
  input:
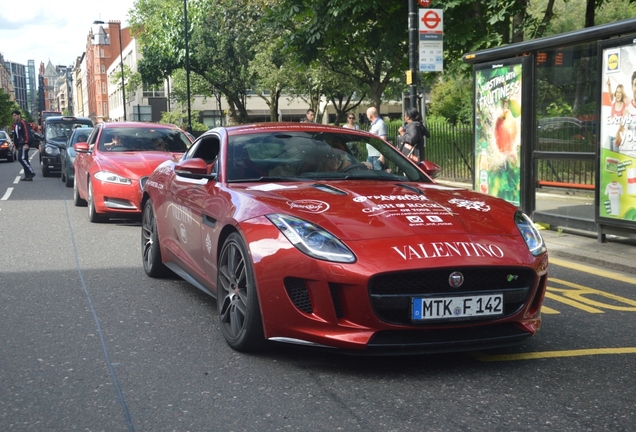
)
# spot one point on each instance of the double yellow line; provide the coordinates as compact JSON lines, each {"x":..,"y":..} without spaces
{"x":566,"y":353}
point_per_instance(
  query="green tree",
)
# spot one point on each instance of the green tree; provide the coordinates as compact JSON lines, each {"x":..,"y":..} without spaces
{"x":221,"y":33}
{"x":271,"y":72}
{"x":363,"y":41}
{"x":453,"y":100}
{"x":132,"y":80}
{"x":6,"y":107}
{"x":180,"y":118}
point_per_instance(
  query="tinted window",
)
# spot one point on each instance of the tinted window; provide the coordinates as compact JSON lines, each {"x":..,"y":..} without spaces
{"x":143,"y":139}
{"x":312,"y":156}
{"x":61,"y":130}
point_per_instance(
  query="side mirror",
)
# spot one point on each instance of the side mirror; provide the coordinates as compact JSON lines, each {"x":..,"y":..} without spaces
{"x":431,"y":168}
{"x":195,"y":168}
{"x":81,"y":147}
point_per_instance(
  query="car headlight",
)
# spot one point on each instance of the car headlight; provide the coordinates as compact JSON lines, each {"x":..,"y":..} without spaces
{"x":312,"y":240}
{"x":110,"y":177}
{"x":530,"y":234}
{"x":52,"y":150}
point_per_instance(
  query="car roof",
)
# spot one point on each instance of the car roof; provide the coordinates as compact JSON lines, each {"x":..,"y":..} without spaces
{"x":141,"y":125}
{"x":61,"y":118}
{"x":288,"y":127}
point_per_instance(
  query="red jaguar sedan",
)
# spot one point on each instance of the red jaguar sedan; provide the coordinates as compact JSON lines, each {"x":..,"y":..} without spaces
{"x":112,"y":167}
{"x":302,"y":242}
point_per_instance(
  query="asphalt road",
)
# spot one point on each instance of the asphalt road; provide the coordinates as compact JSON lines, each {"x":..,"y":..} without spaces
{"x":88,"y":342}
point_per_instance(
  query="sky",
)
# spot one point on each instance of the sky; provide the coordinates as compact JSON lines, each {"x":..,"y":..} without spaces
{"x":43,"y":30}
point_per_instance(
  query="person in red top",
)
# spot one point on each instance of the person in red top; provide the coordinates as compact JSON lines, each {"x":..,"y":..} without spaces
{"x":21,"y":139}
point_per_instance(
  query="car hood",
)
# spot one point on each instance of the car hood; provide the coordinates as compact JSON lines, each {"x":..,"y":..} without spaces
{"x":135,"y":164}
{"x":363,"y":210}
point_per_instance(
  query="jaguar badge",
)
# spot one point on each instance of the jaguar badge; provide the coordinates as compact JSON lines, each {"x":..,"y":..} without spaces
{"x":456,"y":279}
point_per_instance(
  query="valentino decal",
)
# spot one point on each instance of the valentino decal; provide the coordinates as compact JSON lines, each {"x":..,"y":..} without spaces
{"x":448,"y":250}
{"x":182,"y":214}
{"x":309,"y":206}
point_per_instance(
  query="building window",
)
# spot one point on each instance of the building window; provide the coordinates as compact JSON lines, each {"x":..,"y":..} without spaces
{"x":104,"y":90}
{"x":103,"y":68}
{"x":101,"y":52}
{"x":105,"y":108}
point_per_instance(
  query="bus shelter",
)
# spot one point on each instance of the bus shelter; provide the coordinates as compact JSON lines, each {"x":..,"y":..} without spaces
{"x":558,"y":114}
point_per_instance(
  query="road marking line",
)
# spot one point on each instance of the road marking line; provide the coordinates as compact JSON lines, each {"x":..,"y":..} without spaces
{"x":7,"y":194}
{"x":572,"y":303}
{"x":580,"y":292}
{"x":16,"y":180}
{"x":595,"y":271}
{"x":549,"y":311}
{"x":552,"y":354}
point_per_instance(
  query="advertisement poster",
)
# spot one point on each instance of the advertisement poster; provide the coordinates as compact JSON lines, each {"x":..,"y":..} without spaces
{"x":498,"y":131}
{"x":617,"y":170}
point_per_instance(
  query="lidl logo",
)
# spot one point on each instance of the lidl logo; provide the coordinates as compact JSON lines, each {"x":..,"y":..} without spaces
{"x":612,"y":62}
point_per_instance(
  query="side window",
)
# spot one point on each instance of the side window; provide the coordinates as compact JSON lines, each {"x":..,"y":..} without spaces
{"x":93,"y":138}
{"x":207,"y":149}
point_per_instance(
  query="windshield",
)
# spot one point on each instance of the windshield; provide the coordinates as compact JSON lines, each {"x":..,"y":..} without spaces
{"x":314,"y":156}
{"x":143,"y":139}
{"x":61,"y":130}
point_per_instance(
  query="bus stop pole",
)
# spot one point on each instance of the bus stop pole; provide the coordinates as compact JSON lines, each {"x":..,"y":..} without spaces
{"x":413,"y":51}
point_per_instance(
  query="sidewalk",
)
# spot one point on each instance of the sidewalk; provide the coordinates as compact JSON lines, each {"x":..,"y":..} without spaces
{"x":617,"y":253}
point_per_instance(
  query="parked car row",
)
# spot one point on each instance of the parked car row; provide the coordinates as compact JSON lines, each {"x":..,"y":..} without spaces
{"x":302,"y":242}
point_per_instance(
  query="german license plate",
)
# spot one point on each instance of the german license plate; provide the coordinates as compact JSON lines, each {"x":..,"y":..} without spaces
{"x":457,"y":307}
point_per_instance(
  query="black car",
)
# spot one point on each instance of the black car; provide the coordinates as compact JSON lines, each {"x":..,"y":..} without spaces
{"x":7,"y":149}
{"x":57,"y":130}
{"x":67,"y":153}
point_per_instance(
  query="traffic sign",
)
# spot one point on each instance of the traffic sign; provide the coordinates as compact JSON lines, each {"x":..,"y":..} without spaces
{"x":424,"y":3}
{"x":431,"y":21}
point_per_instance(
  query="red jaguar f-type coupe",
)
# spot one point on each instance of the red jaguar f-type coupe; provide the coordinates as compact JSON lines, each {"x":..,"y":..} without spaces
{"x":300,"y":241}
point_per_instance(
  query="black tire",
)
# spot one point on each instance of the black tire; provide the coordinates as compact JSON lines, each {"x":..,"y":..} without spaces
{"x":150,"y":250}
{"x":12,"y":156}
{"x":237,"y":298}
{"x":62,"y":176}
{"x":67,"y":180}
{"x":77,"y":200}
{"x":93,"y":216}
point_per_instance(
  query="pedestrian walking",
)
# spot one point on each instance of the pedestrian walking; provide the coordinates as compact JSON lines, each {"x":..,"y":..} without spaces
{"x":378,"y":127}
{"x":21,"y":138}
{"x":411,"y":139}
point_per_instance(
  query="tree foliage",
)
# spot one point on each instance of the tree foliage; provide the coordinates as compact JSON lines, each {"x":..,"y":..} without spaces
{"x":363,"y":41}
{"x":341,"y":51}
{"x":6,"y":107}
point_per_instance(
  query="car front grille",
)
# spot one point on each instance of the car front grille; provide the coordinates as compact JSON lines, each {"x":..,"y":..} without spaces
{"x":391,"y":294}
{"x":298,"y":294}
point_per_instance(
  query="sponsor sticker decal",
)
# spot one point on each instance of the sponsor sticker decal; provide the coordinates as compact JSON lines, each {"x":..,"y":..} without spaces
{"x":470,"y":205}
{"x":309,"y":206}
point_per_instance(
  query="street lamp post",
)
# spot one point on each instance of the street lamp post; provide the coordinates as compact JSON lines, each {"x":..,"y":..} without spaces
{"x":187,"y":63}
{"x":121,"y":64}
